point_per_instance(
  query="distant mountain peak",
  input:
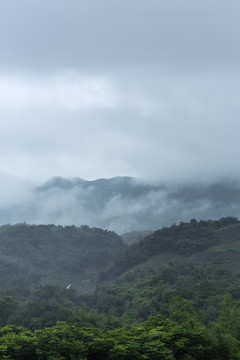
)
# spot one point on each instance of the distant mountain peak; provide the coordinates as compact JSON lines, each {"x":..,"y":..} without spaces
{"x":60,"y":182}
{"x":123,"y":203}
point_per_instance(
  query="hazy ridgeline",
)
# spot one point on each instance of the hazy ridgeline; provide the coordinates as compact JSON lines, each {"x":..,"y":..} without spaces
{"x":120,"y":204}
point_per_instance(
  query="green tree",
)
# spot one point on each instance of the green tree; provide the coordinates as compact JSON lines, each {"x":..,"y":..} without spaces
{"x":7,"y":307}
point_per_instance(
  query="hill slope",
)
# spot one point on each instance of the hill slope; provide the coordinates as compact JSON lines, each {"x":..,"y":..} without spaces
{"x":31,"y":255}
{"x":123,"y":283}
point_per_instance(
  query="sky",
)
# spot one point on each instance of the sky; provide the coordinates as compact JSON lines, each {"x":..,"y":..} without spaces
{"x":142,"y":88}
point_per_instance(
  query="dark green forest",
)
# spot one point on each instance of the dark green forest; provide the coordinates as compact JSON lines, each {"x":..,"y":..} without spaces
{"x":173,"y":294}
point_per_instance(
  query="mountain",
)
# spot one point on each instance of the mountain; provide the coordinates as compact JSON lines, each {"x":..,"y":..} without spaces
{"x":122,"y":204}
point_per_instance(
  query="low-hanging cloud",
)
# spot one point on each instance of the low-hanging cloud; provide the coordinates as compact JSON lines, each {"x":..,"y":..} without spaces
{"x":14,"y":191}
{"x":120,"y":204}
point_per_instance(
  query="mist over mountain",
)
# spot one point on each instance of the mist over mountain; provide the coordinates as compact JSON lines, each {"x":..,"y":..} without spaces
{"x":120,"y":204}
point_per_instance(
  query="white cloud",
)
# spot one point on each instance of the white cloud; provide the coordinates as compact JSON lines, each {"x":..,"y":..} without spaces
{"x":69,"y":91}
{"x":99,"y":89}
{"x":14,"y":191}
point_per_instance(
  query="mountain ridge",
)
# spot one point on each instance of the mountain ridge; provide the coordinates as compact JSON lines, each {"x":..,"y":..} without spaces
{"x":123,"y":204}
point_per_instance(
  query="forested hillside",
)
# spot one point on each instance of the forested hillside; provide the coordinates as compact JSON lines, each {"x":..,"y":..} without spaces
{"x":174,"y":294}
{"x":49,"y":254}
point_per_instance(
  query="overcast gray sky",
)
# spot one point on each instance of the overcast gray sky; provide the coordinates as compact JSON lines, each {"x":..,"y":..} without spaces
{"x":145,"y":88}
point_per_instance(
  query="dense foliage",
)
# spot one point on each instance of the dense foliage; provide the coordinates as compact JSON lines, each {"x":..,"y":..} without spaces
{"x":138,"y":294}
{"x":158,"y":338}
{"x":180,"y":311}
{"x":185,"y":239}
{"x":31,"y":255}
{"x":129,"y":300}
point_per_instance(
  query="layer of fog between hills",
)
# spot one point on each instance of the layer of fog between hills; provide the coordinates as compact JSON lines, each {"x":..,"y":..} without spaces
{"x":120,"y":204}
